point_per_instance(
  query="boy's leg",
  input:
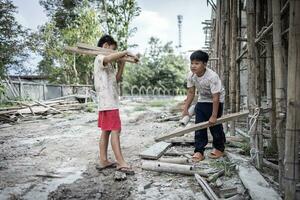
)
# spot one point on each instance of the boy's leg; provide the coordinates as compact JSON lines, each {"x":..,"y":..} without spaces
{"x":103,"y":145}
{"x":115,"y":143}
{"x":201,"y":139}
{"x":218,"y":134}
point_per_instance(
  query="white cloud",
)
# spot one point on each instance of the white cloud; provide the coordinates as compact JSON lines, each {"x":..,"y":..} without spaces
{"x":150,"y":24}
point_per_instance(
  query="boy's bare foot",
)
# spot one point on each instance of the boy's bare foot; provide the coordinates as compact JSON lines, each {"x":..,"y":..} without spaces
{"x":197,"y":157}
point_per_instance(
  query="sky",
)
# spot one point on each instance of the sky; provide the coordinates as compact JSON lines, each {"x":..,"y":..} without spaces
{"x":158,"y":18}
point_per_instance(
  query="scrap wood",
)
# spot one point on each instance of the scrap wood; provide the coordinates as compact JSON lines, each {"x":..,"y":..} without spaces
{"x":103,"y":51}
{"x":215,"y":176}
{"x":170,"y":118}
{"x":174,"y":160}
{"x":36,"y":109}
{"x":156,"y":150}
{"x":202,"y":125}
{"x":46,"y":106}
{"x":228,"y":192}
{"x":256,"y":185}
{"x":242,"y":133}
{"x":25,"y":104}
{"x":172,"y":168}
{"x":207,"y":189}
{"x":94,"y":51}
{"x":270,"y":164}
{"x":49,"y":176}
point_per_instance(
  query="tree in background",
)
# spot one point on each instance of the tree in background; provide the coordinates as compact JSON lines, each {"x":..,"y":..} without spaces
{"x":73,"y":21}
{"x":84,"y":26}
{"x":14,"y":41}
{"x":159,"y":67}
{"x":117,"y":16}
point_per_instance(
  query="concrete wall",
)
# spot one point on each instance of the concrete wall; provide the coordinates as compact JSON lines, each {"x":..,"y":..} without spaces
{"x":40,"y":91}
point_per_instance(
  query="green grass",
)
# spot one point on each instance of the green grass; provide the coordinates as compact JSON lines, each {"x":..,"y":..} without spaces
{"x":140,"y":108}
{"x":228,"y":167}
{"x":161,"y":102}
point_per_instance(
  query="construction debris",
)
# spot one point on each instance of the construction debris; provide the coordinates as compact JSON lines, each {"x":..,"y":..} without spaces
{"x":191,"y":128}
{"x":155,"y":151}
{"x":172,"y":168}
{"x":37,"y":110}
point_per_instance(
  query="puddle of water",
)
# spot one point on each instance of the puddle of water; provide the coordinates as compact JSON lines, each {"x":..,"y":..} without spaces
{"x":41,"y":191}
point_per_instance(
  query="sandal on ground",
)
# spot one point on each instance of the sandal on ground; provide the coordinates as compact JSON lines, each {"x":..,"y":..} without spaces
{"x":197,"y":157}
{"x":216,"y":154}
{"x":126,"y":170}
{"x":102,"y":167}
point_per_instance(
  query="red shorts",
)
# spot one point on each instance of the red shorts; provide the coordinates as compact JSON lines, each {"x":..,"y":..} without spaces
{"x":109,"y":120}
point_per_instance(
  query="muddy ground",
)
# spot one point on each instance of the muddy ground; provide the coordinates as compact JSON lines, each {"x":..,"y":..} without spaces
{"x":55,"y":158}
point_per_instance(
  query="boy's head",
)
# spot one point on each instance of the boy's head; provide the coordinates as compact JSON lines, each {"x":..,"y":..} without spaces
{"x":199,"y":56}
{"x":107,"y":42}
{"x":198,"y":62}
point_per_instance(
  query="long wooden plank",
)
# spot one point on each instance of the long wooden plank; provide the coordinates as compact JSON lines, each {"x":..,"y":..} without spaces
{"x":104,"y":50}
{"x":257,"y":186}
{"x":194,"y":127}
{"x":156,"y":150}
{"x":95,"y":52}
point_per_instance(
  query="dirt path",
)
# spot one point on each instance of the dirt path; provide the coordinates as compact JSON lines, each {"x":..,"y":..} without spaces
{"x":55,"y":158}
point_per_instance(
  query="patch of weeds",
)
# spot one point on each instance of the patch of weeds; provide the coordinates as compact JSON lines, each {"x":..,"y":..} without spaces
{"x":140,"y":108}
{"x":246,"y":148}
{"x":90,"y":107}
{"x":161,"y":102}
{"x":157,"y":103}
{"x":229,"y":168}
{"x":271,"y":152}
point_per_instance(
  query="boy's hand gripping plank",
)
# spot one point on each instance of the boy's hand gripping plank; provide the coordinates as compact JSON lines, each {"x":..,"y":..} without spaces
{"x":178,"y":133}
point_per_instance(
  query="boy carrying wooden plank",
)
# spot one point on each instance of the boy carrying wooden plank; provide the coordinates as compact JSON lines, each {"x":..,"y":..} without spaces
{"x":105,"y":80}
{"x":209,"y":106}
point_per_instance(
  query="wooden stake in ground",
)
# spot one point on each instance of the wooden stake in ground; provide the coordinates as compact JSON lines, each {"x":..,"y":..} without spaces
{"x":232,"y":74}
{"x":202,"y":125}
{"x":280,"y":88}
{"x":292,"y":135}
{"x":252,"y":102}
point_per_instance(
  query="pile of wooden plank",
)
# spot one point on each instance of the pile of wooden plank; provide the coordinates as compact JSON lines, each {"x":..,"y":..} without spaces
{"x":24,"y":110}
{"x":158,"y":158}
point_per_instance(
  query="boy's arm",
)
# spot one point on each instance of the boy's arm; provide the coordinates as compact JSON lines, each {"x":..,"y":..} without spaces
{"x":189,"y":99}
{"x":216,"y":101}
{"x":121,"y":65}
{"x":113,"y":57}
{"x":116,"y":56}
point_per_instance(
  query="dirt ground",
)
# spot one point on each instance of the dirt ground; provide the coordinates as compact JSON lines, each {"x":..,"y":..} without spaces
{"x":55,"y":158}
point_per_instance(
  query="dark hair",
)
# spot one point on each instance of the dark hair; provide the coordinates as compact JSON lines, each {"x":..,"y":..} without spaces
{"x":199,"y":56}
{"x":106,"y":38}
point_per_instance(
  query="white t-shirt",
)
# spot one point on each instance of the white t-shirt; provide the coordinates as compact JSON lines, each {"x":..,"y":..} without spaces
{"x":208,"y":84}
{"x":106,"y":85}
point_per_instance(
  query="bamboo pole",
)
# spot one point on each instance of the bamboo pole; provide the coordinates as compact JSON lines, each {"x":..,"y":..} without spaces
{"x":232,"y":74}
{"x":252,"y":104}
{"x":226,"y":60}
{"x":291,"y":164}
{"x":270,"y":79}
{"x":280,"y":91}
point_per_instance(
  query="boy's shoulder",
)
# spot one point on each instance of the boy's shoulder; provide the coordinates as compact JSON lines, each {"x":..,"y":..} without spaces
{"x":212,"y":73}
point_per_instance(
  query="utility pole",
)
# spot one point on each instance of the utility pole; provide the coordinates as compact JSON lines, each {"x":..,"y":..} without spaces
{"x":179,"y":18}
